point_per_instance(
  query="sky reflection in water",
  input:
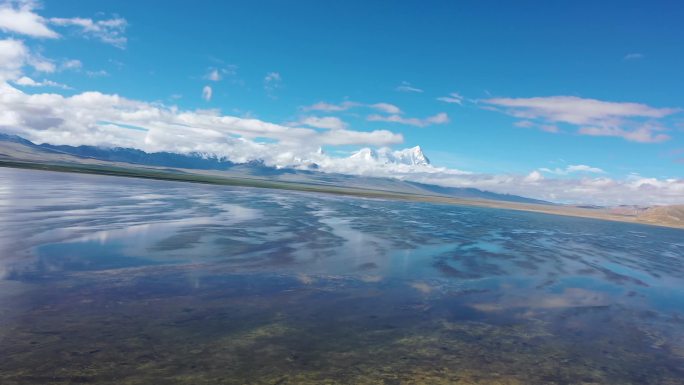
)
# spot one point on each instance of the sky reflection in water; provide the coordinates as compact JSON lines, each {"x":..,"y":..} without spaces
{"x":108,"y":278}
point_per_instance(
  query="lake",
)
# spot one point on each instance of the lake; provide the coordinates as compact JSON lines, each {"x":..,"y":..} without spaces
{"x":115,"y":280}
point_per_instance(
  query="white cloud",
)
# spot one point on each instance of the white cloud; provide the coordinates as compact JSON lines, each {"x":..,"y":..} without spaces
{"x":524,"y":124}
{"x":407,"y":87}
{"x":272,"y":77}
{"x":453,"y":98}
{"x":533,"y":177}
{"x":207,"y":93}
{"x":574,"y":168}
{"x":18,"y":17}
{"x":584,"y":168}
{"x":97,"y":74}
{"x":110,"y":31}
{"x":386,"y":108}
{"x":348,"y":137}
{"x":213,"y":75}
{"x":591,"y":116}
{"x":327,"y":122}
{"x":552,"y":128}
{"x":78,"y":120}
{"x":272,"y":81}
{"x":440,"y":118}
{"x":574,"y":110}
{"x":28,"y":82}
{"x":15,"y":55}
{"x":642,"y":134}
{"x":217,"y":74}
{"x":73,"y":64}
{"x":329,"y":107}
{"x":347,"y":105}
{"x":394,"y":113}
{"x":41,"y":64}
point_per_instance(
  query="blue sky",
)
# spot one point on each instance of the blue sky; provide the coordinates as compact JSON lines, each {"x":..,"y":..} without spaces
{"x":489,"y":88}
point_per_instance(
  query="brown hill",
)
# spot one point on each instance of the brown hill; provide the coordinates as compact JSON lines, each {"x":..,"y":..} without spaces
{"x":670,"y":215}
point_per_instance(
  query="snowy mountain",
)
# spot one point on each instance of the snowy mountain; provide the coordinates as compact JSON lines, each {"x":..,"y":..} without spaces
{"x":410,"y":156}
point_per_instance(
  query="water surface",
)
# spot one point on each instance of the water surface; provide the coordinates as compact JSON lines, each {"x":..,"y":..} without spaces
{"x":122,"y":281}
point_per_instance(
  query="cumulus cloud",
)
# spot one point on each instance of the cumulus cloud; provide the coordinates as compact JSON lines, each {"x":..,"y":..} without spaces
{"x":453,"y":98}
{"x":407,"y":87}
{"x":15,"y":55}
{"x":78,"y":119}
{"x":19,"y":17}
{"x":28,"y":82}
{"x":440,"y":118}
{"x":207,"y":93}
{"x":327,"y":122}
{"x":590,"y":116}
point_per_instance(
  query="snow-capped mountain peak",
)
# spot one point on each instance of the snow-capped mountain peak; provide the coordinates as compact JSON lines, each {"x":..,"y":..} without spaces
{"x":409,"y":156}
{"x":366,"y":154}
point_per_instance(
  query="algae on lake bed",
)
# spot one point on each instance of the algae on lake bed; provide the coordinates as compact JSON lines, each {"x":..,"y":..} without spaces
{"x":275,"y":329}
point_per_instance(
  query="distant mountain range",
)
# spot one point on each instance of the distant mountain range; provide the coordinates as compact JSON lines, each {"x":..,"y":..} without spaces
{"x":130,"y":155}
{"x":18,"y":148}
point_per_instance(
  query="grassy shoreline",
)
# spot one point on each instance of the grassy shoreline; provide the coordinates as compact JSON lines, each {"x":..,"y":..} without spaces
{"x":180,"y":176}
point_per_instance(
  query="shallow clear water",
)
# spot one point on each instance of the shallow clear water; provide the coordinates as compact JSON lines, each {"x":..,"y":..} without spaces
{"x":124,"y":281}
